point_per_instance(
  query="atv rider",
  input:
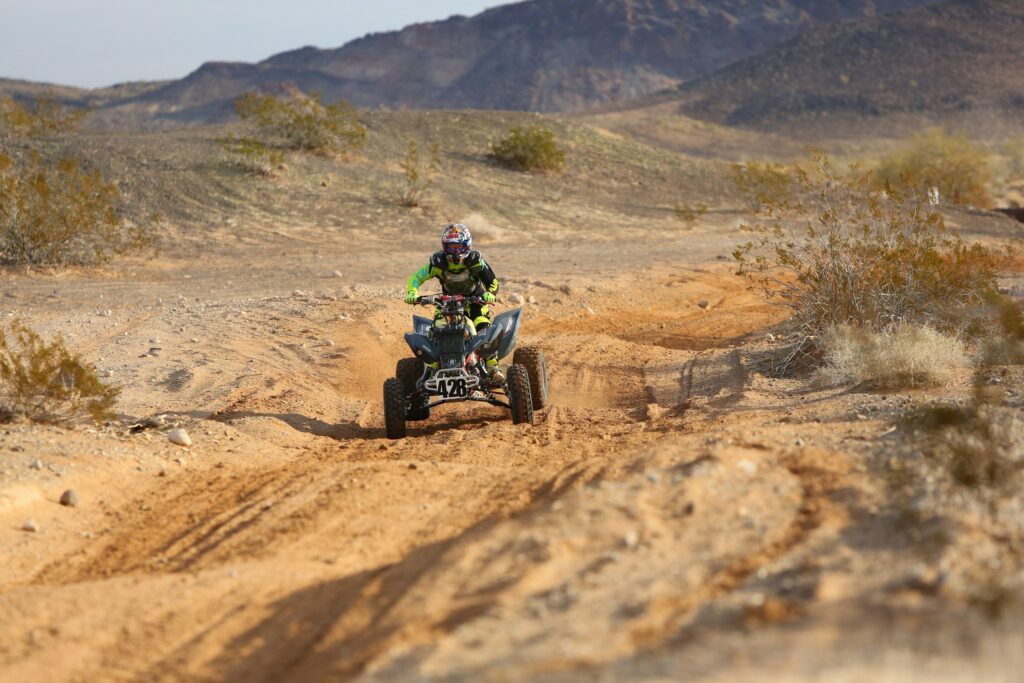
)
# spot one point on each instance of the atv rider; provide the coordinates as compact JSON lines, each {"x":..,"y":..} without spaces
{"x":461,"y":271}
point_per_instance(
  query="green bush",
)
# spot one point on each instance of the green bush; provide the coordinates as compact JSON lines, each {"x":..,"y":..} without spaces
{"x":60,"y":214}
{"x":303,"y":123}
{"x":951,"y":162}
{"x":252,"y":155}
{"x":48,"y":117}
{"x":418,"y":172}
{"x":529,"y":148}
{"x":843,"y":253}
{"x":690,"y":214}
{"x":44,"y":382}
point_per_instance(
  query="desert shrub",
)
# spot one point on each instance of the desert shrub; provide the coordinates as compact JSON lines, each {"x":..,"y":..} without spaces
{"x":47,"y":117}
{"x":1004,"y":345}
{"x":302,"y":122}
{"x":529,"y":148}
{"x":904,"y":356}
{"x":61,"y":214}
{"x":44,"y":382}
{"x":690,"y":214}
{"x":762,"y":183}
{"x":418,"y":172}
{"x":843,"y":253}
{"x":252,"y":155}
{"x":950,"y":162}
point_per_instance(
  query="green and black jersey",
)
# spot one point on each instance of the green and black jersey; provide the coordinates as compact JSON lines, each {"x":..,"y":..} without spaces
{"x":472,"y":277}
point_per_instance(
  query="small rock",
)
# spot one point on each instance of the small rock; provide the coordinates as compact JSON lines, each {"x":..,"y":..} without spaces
{"x":531,"y":299}
{"x":631,"y":539}
{"x":799,"y":443}
{"x":179,"y":437}
{"x":589,"y":310}
{"x":412,"y":466}
{"x":567,"y":289}
{"x":30,"y":525}
{"x":337,"y":273}
{"x":298,"y":293}
{"x":36,"y":464}
{"x":69,"y":498}
{"x":515,"y":299}
{"x":654,"y":411}
{"x":652,"y":477}
{"x":747,"y":467}
{"x":704,"y":303}
{"x":194,"y":340}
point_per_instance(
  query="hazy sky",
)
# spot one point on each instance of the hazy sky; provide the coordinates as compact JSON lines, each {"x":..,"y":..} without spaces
{"x":101,"y":42}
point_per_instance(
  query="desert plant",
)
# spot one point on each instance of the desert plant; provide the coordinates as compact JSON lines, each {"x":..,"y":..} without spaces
{"x":418,"y":173}
{"x":252,"y":155}
{"x":529,"y":148}
{"x":44,"y":382}
{"x":762,"y":183}
{"x":302,"y":122}
{"x":936,"y":158}
{"x":690,"y":214}
{"x":904,"y":356}
{"x":47,"y":117}
{"x":843,"y":253}
{"x":61,"y":214}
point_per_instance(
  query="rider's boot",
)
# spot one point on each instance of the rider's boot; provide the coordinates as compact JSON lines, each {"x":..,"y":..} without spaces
{"x":497,"y":376}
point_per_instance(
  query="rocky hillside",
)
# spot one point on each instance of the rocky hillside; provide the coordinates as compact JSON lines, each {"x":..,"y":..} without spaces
{"x":548,"y":55}
{"x":961,"y":60}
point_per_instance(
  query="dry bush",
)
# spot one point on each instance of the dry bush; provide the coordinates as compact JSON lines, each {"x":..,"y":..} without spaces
{"x":252,"y":155}
{"x":690,"y":214}
{"x":44,"y":382}
{"x":529,"y":148}
{"x":61,"y":214}
{"x":302,"y":122}
{"x":951,"y":162}
{"x":843,"y":253}
{"x":905,"y":356}
{"x":763,"y":183}
{"x":48,"y":117}
{"x":1005,"y":344}
{"x":418,"y":173}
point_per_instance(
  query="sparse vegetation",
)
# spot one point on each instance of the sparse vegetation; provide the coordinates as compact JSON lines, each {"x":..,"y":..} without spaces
{"x":690,"y":214}
{"x":252,"y":155}
{"x":61,"y":214}
{"x":302,"y":122}
{"x":418,"y":173}
{"x":529,"y":148}
{"x":763,"y":183}
{"x":47,"y":117}
{"x":44,"y":382}
{"x":904,"y":356}
{"x":843,"y":253}
{"x":951,"y":162}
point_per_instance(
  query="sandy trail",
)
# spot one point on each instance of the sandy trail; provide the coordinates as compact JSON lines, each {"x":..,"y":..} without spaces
{"x":293,"y":542}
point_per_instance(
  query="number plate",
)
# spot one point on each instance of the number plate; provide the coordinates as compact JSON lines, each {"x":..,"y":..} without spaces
{"x":454,"y":387}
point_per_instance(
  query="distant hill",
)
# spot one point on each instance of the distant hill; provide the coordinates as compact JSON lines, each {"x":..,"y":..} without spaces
{"x":959,"y":61}
{"x":541,"y":55}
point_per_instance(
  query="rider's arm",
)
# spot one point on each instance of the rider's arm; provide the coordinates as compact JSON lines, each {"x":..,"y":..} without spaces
{"x":483,"y":272}
{"x":422,"y":275}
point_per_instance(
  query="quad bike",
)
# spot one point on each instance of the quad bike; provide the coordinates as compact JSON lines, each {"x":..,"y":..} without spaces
{"x":450,"y":365}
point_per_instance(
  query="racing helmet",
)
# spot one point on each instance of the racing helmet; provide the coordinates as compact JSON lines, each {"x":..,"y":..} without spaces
{"x":456,"y":243}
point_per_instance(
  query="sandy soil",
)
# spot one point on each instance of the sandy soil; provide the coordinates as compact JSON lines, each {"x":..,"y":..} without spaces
{"x":678,"y":513}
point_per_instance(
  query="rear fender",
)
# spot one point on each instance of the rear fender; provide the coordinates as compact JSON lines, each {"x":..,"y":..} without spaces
{"x":507,"y":324}
{"x":421,"y":347}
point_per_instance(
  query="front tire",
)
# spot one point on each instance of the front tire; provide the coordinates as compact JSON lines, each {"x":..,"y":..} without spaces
{"x":394,"y":408}
{"x":409,"y":370}
{"x":519,"y":396}
{"x":532,"y":359}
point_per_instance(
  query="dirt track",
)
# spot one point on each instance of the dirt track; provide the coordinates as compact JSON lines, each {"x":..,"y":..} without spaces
{"x":674,"y":505}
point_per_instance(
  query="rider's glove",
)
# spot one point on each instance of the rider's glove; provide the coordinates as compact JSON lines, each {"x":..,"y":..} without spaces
{"x":488,"y":298}
{"x":411,"y":296}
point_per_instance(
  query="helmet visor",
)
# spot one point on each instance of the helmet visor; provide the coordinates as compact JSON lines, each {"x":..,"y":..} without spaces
{"x":456,"y":250}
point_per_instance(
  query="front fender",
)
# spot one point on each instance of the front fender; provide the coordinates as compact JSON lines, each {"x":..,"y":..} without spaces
{"x":421,"y":347}
{"x":508,"y":322}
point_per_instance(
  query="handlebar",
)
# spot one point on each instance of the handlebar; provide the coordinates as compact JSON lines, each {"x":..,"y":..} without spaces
{"x":437,"y":299}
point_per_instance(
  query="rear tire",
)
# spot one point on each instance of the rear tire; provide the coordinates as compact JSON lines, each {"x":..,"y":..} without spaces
{"x":518,"y":387}
{"x":409,"y":370}
{"x":532,"y":359}
{"x":394,"y":408}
